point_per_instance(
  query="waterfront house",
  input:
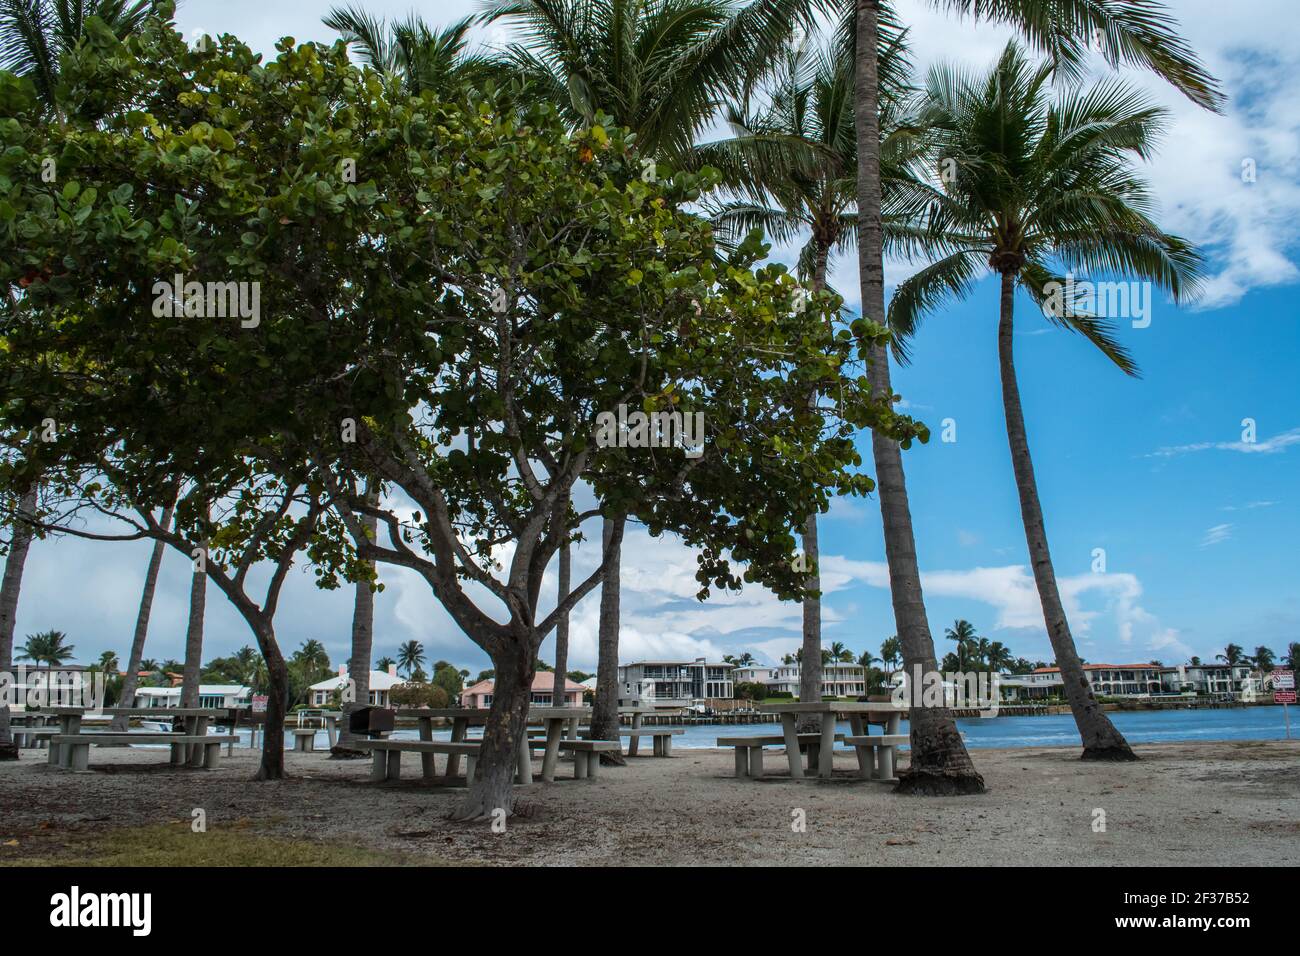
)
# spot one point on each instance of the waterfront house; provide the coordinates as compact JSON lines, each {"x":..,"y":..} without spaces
{"x":210,"y":695}
{"x":1214,"y":680}
{"x":543,"y":689}
{"x":673,"y":683}
{"x":752,"y":674}
{"x":838,"y":680}
{"x":381,"y":683}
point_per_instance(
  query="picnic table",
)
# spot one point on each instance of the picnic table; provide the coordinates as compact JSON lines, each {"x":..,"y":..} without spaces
{"x":860,"y":716}
{"x":662,"y":737}
{"x":555,"y":720}
{"x":190,"y":750}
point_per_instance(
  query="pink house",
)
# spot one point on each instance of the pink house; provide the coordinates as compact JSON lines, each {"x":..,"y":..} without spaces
{"x":480,"y":694}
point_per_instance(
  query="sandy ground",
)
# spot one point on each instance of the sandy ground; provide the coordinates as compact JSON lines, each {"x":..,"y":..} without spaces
{"x":1184,"y":804}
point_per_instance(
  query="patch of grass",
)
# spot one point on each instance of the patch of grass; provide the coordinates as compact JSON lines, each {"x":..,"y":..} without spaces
{"x":173,"y":844}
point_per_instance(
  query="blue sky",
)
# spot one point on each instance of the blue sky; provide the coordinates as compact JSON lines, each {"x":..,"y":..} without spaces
{"x":1199,"y":528}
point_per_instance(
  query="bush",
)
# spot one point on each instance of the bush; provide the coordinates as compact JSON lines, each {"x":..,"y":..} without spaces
{"x":414,"y":694}
{"x":751,"y":690}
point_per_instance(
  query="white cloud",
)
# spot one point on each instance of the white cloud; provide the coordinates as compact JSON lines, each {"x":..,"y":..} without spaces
{"x":1216,"y":535}
{"x":1268,"y":446}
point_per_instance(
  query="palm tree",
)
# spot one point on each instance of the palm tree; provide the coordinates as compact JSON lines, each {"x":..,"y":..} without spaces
{"x":660,"y":68}
{"x":35,"y":34}
{"x":384,"y":663}
{"x":790,"y":167}
{"x":1232,"y":655}
{"x":410,"y":656}
{"x":131,"y":679}
{"x":108,"y":662}
{"x":1033,"y":182}
{"x":1293,"y":655}
{"x":363,"y":639}
{"x":423,"y":57}
{"x":867,"y":659}
{"x":891,"y":652}
{"x":47,"y":647}
{"x":1139,"y":33}
{"x":1264,"y":658}
{"x":20,"y":541}
{"x":963,"y":633}
{"x":194,"y":637}
{"x":998,"y":657}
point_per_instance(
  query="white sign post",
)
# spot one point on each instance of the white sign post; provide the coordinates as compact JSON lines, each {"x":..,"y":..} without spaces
{"x":1284,"y":693}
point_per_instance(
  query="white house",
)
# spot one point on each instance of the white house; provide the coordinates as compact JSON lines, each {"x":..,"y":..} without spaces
{"x":381,"y":683}
{"x":210,"y":695}
{"x":838,"y":680}
{"x":673,"y":683}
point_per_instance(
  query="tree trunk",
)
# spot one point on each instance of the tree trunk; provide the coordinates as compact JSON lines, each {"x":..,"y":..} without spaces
{"x":604,"y":715}
{"x":277,"y":673}
{"x":562,"y":631}
{"x":19,"y":544}
{"x":363,"y":635}
{"x":939,"y":761}
{"x":194,"y":640}
{"x":131,"y":680}
{"x":810,"y":669}
{"x":1101,"y":741}
{"x":491,"y":795}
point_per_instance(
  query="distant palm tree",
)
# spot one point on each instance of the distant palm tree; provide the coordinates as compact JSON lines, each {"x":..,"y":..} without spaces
{"x":998,"y":657}
{"x":1264,"y":658}
{"x":891,"y":651}
{"x":384,"y":663}
{"x":35,"y":34}
{"x":1232,"y":654}
{"x":1026,"y":184}
{"x":963,"y":633}
{"x":1292,"y":658}
{"x":47,"y":647}
{"x":108,"y":662}
{"x":1195,"y":661}
{"x":837,"y":651}
{"x":425,"y":58}
{"x":410,"y":656}
{"x":867,"y":659}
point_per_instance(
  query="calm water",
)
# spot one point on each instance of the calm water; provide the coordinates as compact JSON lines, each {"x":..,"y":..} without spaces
{"x":1147,"y":726}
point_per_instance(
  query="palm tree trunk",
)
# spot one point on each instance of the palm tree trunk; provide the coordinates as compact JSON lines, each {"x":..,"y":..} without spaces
{"x":562,"y":630}
{"x":939,"y":761}
{"x":363,"y":637}
{"x":1101,"y":741}
{"x":132,"y":679}
{"x":194,"y":640}
{"x":604,"y":715}
{"x":20,"y":542}
{"x":810,"y":669}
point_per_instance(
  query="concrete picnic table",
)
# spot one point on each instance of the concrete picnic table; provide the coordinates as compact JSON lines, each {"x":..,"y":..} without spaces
{"x":196,"y":721}
{"x":858,"y":713}
{"x":555,"y":719}
{"x":196,"y":725}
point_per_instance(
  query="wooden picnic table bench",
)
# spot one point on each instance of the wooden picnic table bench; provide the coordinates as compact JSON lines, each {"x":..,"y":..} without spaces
{"x":749,"y":750}
{"x":72,"y":751}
